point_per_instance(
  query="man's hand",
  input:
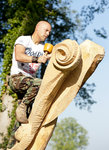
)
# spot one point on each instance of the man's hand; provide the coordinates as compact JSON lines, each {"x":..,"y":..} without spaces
{"x":43,"y":59}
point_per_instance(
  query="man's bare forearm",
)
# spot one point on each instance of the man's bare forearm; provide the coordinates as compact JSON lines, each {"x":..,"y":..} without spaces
{"x":24,"y":58}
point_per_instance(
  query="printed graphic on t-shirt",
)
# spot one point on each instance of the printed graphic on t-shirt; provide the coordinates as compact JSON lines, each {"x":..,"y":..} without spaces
{"x":29,"y":52}
{"x":30,"y":68}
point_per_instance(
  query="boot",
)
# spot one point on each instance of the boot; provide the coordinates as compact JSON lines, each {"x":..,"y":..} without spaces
{"x":21,"y":113}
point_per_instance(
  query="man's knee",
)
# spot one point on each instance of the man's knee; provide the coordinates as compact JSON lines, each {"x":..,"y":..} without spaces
{"x":37,"y":81}
{"x":19,"y":83}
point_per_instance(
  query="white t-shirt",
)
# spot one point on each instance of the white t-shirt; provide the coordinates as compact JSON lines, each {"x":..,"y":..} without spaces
{"x":31,"y":49}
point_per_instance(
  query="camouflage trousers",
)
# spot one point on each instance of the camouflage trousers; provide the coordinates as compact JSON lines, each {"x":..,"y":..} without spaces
{"x":25,"y":87}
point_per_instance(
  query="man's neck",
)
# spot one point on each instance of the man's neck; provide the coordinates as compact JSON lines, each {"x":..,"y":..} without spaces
{"x":35,"y":39}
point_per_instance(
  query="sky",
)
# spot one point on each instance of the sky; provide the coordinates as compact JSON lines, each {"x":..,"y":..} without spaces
{"x":95,"y":122}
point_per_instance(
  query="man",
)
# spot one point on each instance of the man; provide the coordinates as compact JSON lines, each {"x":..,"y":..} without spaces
{"x":27,"y":56}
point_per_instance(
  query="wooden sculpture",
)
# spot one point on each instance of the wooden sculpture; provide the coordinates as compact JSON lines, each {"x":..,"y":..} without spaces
{"x":69,"y":67}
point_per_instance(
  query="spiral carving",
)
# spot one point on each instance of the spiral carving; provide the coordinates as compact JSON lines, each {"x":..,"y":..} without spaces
{"x":67,"y":55}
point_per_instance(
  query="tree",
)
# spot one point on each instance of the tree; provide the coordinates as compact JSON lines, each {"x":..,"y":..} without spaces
{"x":69,"y":135}
{"x":88,"y":14}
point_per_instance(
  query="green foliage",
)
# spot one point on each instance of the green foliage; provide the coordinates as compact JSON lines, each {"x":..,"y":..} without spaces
{"x":13,"y":119}
{"x":69,"y":135}
{"x":4,"y":144}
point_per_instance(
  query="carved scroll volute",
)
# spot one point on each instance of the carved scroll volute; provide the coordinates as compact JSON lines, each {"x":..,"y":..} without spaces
{"x":66,"y":57}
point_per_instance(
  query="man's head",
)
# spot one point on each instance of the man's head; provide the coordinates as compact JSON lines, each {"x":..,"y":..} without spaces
{"x":42,"y":30}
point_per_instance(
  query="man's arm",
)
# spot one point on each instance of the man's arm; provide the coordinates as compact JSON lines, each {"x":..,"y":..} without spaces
{"x":22,"y":57}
